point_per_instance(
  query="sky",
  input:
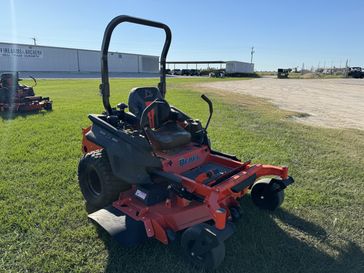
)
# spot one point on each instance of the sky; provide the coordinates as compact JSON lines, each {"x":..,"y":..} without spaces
{"x":283,"y":33}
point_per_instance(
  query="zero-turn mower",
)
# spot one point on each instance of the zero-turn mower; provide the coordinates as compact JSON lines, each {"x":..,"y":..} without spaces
{"x":17,"y":97}
{"x":151,"y":172}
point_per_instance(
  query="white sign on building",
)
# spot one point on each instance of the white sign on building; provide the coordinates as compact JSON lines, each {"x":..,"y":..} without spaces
{"x":6,"y":51}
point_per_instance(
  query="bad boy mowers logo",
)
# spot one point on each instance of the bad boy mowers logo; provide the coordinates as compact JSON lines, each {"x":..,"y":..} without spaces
{"x":184,"y":161}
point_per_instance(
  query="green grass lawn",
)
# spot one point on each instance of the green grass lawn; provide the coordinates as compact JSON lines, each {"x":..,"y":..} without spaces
{"x":44,"y":226}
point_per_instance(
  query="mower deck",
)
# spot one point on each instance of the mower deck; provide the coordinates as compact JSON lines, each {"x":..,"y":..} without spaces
{"x":216,"y":181}
{"x":27,"y":105}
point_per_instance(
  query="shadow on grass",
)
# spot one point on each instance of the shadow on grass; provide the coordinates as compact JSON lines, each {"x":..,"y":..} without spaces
{"x":14,"y":115}
{"x":260,"y":244}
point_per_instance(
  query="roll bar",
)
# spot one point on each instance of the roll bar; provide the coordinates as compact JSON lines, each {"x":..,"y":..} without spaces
{"x":105,"y":86}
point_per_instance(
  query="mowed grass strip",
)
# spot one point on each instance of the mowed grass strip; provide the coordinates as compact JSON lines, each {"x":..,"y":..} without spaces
{"x":44,"y":226}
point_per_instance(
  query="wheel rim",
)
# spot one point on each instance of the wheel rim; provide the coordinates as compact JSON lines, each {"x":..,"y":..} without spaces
{"x":197,"y":258}
{"x":94,"y":182}
{"x":259,"y":192}
{"x":265,"y":197}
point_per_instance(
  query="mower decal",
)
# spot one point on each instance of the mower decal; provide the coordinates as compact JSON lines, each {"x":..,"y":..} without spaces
{"x":141,"y":194}
{"x":189,"y":160}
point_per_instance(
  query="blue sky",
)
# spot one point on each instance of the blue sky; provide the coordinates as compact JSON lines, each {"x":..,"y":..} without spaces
{"x":284,"y":33}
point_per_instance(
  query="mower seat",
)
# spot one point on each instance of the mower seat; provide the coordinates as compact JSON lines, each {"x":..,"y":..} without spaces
{"x":168,"y":136}
{"x":163,"y":131}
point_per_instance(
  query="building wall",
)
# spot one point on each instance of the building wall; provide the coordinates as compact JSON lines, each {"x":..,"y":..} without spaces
{"x":53,"y":59}
{"x":149,"y":63}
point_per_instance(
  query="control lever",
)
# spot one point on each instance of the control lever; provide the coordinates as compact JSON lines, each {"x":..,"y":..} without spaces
{"x":211,"y":109}
{"x":122,"y":106}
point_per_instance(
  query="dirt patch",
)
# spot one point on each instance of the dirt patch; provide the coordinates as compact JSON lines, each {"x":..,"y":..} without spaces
{"x":333,"y":103}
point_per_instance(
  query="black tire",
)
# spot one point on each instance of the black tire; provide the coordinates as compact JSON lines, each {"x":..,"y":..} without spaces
{"x":48,"y":107}
{"x":97,"y":183}
{"x":264,"y":197}
{"x":209,"y":260}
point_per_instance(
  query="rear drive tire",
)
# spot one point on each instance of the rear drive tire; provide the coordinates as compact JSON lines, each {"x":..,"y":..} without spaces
{"x":97,"y":183}
{"x":263,"y":196}
{"x":209,"y":260}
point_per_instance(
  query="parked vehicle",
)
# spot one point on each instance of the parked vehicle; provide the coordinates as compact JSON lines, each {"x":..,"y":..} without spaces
{"x":186,"y":72}
{"x":217,"y":74}
{"x":283,"y":73}
{"x":356,"y":72}
{"x":194,"y":72}
{"x":176,"y":72}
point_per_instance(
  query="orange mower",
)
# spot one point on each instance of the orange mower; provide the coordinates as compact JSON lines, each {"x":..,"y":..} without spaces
{"x":150,"y":172}
{"x":15,"y":97}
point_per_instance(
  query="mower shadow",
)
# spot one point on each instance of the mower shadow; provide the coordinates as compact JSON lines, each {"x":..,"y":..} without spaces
{"x":259,"y":245}
{"x":15,"y":115}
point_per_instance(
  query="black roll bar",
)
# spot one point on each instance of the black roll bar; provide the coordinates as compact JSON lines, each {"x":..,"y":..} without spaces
{"x":105,"y":86}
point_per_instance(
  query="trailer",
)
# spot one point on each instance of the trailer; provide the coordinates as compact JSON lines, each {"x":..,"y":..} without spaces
{"x":233,"y":67}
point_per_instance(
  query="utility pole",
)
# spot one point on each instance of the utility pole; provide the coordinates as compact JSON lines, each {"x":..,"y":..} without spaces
{"x":251,"y":55}
{"x":346,"y":69}
{"x":34,"y":40}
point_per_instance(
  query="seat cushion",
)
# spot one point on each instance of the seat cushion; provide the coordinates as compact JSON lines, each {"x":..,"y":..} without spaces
{"x":169,"y":136}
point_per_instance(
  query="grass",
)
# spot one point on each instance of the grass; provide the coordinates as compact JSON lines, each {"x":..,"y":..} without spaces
{"x":44,"y":226}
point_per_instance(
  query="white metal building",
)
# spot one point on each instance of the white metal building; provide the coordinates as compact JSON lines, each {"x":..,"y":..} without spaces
{"x":239,"y":67}
{"x":22,"y":57}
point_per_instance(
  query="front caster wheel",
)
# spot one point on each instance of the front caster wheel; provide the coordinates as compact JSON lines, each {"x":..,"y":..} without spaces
{"x":201,"y":249}
{"x":264,"y":195}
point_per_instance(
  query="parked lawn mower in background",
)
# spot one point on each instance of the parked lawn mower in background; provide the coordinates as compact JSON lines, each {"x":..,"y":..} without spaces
{"x":20,"y":98}
{"x":151,"y":172}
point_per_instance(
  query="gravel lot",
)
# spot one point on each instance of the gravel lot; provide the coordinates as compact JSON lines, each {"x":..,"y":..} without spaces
{"x":334,"y":103}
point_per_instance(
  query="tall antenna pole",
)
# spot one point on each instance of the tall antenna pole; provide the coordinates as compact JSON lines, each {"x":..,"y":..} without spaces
{"x":251,"y":55}
{"x":346,"y":69}
{"x":34,"y":40}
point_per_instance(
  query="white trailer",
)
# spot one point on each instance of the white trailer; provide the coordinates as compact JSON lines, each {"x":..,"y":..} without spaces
{"x":239,"y":67}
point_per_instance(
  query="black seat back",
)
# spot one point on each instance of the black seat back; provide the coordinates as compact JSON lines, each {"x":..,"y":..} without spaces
{"x":157,"y":113}
{"x":141,"y":97}
{"x":9,"y":80}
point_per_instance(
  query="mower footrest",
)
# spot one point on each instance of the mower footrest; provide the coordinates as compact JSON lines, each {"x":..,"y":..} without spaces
{"x":110,"y":219}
